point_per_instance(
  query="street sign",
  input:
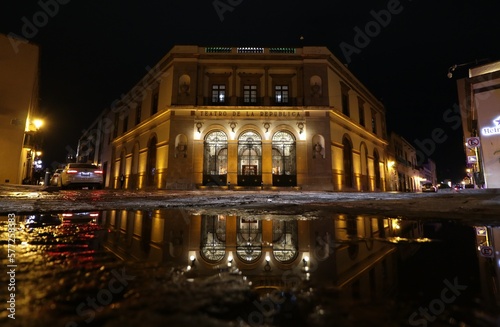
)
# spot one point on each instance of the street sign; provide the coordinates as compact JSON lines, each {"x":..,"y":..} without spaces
{"x":473,"y":142}
{"x":487,"y":251}
{"x":471,"y":159}
{"x":480,"y":230}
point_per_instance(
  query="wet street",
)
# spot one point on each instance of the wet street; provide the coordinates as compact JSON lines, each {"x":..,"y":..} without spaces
{"x":218,"y":265}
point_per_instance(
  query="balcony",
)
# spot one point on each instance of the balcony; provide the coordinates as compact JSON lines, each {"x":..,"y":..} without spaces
{"x":262,"y":101}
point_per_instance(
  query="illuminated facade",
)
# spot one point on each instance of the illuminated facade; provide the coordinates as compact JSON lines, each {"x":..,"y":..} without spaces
{"x":479,"y":98}
{"x":354,"y":254}
{"x":403,"y":171}
{"x":245,"y":117}
{"x":19,"y":125}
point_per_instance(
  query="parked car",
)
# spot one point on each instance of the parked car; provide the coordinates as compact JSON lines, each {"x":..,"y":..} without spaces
{"x":81,"y":174}
{"x":429,"y":187}
{"x":458,"y":187}
{"x":55,"y":177}
{"x":75,"y":218}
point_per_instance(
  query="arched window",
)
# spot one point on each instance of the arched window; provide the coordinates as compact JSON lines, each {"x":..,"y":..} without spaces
{"x":285,"y":245}
{"x":249,"y":159}
{"x":249,"y":239}
{"x":284,"y":159}
{"x":213,"y":238}
{"x":215,"y":159}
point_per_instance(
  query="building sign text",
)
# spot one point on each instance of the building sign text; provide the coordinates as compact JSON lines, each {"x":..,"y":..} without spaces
{"x":493,"y":130}
{"x":257,"y":113}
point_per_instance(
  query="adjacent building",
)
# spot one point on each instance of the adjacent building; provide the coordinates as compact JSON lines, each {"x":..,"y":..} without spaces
{"x":479,"y":98}
{"x":243,"y":117}
{"x":20,"y":142}
{"x":403,"y":174}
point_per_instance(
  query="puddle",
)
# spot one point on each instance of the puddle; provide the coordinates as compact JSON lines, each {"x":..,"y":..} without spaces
{"x":172,"y":267}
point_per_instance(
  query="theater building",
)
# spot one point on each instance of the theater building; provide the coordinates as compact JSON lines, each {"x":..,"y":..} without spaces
{"x":242,"y":118}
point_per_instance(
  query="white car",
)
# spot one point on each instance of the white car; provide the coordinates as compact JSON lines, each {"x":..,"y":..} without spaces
{"x":54,"y":180}
{"x":82,"y":175}
{"x":429,"y":187}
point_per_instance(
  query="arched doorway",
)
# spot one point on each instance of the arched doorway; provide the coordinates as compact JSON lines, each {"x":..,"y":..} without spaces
{"x":215,"y":159}
{"x":151,"y":163}
{"x":284,"y":162}
{"x":376,"y":168}
{"x":347,"y":156}
{"x":249,"y":159}
{"x":122,"y":173}
{"x":134,"y":173}
{"x":365,"y":185}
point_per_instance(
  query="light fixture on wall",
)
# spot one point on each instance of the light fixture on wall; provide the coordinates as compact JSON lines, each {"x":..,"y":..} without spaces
{"x":266,"y":126}
{"x":301,"y":127}
{"x":267,"y":267}
{"x":198,"y":126}
{"x":232,"y":125}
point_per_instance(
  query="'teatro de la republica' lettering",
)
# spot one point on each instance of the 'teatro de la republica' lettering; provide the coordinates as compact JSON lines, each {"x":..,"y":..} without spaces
{"x":260,"y":113}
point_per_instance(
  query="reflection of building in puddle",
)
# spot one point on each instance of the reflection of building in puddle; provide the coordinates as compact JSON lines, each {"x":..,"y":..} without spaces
{"x":355,"y":254}
{"x":487,"y":239}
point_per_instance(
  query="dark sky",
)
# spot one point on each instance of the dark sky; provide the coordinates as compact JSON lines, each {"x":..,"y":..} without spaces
{"x":93,"y":51}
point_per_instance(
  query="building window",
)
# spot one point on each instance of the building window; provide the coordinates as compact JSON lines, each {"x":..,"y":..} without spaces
{"x":154,"y":101}
{"x":138,"y":113}
{"x":345,"y":99}
{"x":218,"y":93}
{"x":361,"y":109}
{"x":248,"y":239}
{"x":125,"y":122}
{"x":374,"y":122}
{"x":281,"y":93}
{"x":345,"y":104}
{"x":213,"y":238}
{"x":285,"y":240}
{"x":283,"y":153}
{"x":250,"y":93}
{"x":115,"y":125}
{"x":215,"y":159}
{"x":249,"y":159}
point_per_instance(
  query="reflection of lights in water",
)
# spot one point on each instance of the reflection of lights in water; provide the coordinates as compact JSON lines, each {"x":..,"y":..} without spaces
{"x":398,"y":239}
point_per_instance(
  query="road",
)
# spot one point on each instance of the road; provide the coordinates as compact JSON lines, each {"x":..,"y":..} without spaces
{"x":465,"y":204}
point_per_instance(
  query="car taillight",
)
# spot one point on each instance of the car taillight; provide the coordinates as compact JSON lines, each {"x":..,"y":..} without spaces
{"x":97,"y":171}
{"x":71,"y":171}
{"x":67,"y":215}
{"x":94,"y":214}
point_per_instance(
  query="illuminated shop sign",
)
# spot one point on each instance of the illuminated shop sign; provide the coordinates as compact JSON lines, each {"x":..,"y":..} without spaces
{"x":493,"y":130}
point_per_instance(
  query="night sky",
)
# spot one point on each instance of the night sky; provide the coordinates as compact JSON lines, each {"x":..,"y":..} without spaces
{"x":93,"y":51}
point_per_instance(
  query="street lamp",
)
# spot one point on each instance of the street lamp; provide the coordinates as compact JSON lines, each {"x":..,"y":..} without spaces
{"x":37,"y":123}
{"x":34,"y":160}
